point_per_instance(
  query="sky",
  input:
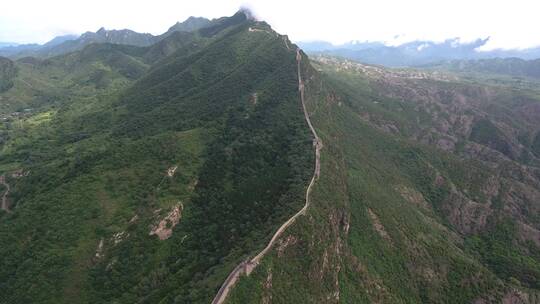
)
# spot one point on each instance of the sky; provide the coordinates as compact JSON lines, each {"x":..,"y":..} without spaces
{"x":509,"y":24}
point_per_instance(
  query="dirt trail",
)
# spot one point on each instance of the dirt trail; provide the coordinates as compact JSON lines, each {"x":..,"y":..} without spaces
{"x":6,"y":193}
{"x":246,"y":267}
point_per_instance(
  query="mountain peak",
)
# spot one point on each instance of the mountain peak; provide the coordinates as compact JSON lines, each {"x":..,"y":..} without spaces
{"x":189,"y":25}
{"x":248,"y":13}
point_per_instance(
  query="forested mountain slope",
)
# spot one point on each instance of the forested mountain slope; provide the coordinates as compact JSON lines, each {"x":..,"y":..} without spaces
{"x":211,"y":141}
{"x":7,"y":73}
{"x":148,"y":174}
{"x":428,"y":194}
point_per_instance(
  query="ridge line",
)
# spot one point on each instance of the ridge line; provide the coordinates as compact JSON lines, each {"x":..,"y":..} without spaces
{"x":247,"y":266}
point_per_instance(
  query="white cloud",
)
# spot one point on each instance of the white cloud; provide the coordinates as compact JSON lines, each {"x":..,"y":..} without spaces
{"x":510,"y":24}
{"x":422,"y":46}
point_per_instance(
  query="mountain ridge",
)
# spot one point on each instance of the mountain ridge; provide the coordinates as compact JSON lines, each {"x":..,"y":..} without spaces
{"x":69,"y":43}
{"x":415,"y":53}
{"x":511,"y":66}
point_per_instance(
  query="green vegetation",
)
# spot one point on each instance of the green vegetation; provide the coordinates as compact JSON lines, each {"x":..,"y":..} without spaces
{"x":7,"y":73}
{"x":496,"y":248}
{"x":383,"y":226}
{"x":486,"y":133}
{"x":225,"y":111}
{"x":202,"y":135}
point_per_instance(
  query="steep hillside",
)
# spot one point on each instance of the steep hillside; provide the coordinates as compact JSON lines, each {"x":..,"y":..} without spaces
{"x":90,"y":71}
{"x":191,"y":24}
{"x":415,"y":202}
{"x":152,"y":193}
{"x":7,"y":73}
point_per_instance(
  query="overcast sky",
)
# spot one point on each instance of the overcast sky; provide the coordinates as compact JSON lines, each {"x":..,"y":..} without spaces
{"x":510,"y":24}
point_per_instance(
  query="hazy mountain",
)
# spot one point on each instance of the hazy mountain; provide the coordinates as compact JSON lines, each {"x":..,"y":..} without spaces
{"x":18,"y":49}
{"x":127,"y":37}
{"x":29,"y":49}
{"x":415,"y":53}
{"x":123,"y":37}
{"x":316,"y":46}
{"x":6,"y":44}
{"x":191,"y":24}
{"x":227,"y":157}
{"x":508,"y":66}
{"x":60,"y":39}
{"x":69,"y":43}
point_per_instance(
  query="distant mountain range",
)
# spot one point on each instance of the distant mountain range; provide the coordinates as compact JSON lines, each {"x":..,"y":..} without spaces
{"x":6,"y":44}
{"x":189,"y":25}
{"x":69,"y":43}
{"x":415,"y":53}
{"x":514,"y":67}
